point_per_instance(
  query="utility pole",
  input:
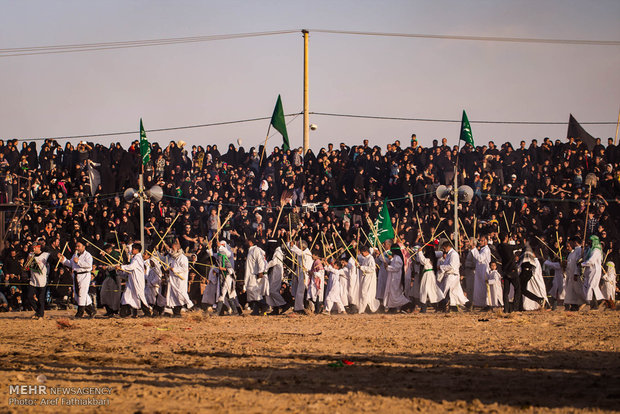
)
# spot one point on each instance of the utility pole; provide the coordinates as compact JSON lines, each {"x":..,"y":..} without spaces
{"x":306,"y":95}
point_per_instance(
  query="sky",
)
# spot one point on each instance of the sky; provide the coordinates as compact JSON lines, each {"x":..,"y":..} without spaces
{"x":197,"y":83}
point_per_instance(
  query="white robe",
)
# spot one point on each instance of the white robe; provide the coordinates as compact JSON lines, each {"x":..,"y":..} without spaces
{"x":494,"y":281}
{"x":429,"y":289}
{"x":316,"y":285}
{"x":353,"y":291}
{"x":559,"y":279}
{"x":382,"y":261}
{"x":592,"y":276}
{"x":300,"y":279}
{"x":134,"y":293}
{"x":536,"y":285}
{"x":81,"y":277}
{"x":152,"y":289}
{"x":574,"y":287}
{"x":394,"y":294}
{"x":255,"y":264}
{"x":449,"y":278}
{"x":482,"y":258}
{"x":333,"y":296}
{"x":368,"y":283}
{"x":608,"y":282}
{"x":275,"y":278}
{"x":177,"y":282}
{"x":209,"y":296}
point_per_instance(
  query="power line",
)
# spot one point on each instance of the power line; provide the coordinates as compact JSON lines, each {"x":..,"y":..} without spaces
{"x":476,"y":38}
{"x":296,"y":114}
{"x":108,"y":134}
{"x":439,"y":120}
{"x":87,"y":47}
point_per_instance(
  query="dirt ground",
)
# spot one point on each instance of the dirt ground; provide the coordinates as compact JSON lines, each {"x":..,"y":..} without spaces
{"x":466,"y":362}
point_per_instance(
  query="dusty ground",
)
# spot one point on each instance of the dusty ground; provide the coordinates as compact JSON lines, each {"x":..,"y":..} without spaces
{"x":534,"y":362}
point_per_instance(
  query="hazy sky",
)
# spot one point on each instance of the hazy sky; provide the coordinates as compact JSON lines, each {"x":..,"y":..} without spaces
{"x":196,"y":83}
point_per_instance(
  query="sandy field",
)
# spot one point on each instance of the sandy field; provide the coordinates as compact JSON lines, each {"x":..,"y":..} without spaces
{"x":466,"y":362}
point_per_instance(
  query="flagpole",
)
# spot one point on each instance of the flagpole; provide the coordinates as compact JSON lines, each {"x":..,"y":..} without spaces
{"x":264,"y":146}
{"x":456,"y":199}
{"x":306,"y":95}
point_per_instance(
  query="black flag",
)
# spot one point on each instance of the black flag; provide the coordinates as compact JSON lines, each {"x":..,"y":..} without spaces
{"x":576,"y":131}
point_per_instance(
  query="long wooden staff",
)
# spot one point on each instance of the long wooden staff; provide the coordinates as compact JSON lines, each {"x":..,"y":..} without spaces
{"x":62,"y":254}
{"x":346,"y":247}
{"x":221,"y":227}
{"x":166,"y":266}
{"x":167,"y":230}
{"x":101,"y":250}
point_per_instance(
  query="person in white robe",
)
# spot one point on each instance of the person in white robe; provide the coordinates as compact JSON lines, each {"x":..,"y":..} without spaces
{"x":394,"y":298}
{"x":368,"y":281}
{"x":333,"y":297}
{"x":573,"y":297}
{"x":227,"y":292}
{"x":81,"y":265}
{"x":178,"y":278}
{"x":494,"y":283}
{"x":429,"y":289}
{"x":558,"y":287}
{"x":209,"y":295}
{"x":152,"y":288}
{"x":532,"y":282}
{"x":593,"y":268}
{"x":608,"y":284}
{"x":353,"y":285}
{"x":482,"y":258}
{"x":255,"y":282}
{"x":133,"y":296}
{"x":276,"y":272}
{"x":303,"y":264}
{"x":316,"y":284}
{"x":383,"y":261}
{"x":449,"y":278}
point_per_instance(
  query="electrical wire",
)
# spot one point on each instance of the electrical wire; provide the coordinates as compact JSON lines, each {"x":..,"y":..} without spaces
{"x":87,"y":47}
{"x":108,"y":134}
{"x":475,"y":38}
{"x":439,"y":120}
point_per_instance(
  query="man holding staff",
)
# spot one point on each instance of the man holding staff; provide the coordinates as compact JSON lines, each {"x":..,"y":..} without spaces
{"x":81,"y":265}
{"x":178,"y":269}
{"x":134,"y":296}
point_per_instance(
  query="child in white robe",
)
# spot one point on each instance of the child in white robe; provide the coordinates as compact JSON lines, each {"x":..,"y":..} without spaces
{"x":333,"y":297}
{"x":494,"y":282}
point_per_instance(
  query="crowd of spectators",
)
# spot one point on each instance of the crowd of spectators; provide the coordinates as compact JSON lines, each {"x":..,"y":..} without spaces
{"x":537,"y":192}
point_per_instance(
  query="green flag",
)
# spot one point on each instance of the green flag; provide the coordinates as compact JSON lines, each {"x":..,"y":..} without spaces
{"x":383,"y":225}
{"x":145,"y":148}
{"x":277,"y":121}
{"x":466,"y":134}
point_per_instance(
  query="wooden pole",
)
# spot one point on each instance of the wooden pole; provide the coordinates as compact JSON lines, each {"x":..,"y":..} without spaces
{"x":264,"y":146}
{"x":306,"y":96}
{"x":62,"y":254}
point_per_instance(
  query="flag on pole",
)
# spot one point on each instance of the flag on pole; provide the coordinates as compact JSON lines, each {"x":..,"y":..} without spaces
{"x":279,"y":124}
{"x":145,"y":148}
{"x":466,"y":134}
{"x":383,"y":225}
{"x":575,"y":130}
